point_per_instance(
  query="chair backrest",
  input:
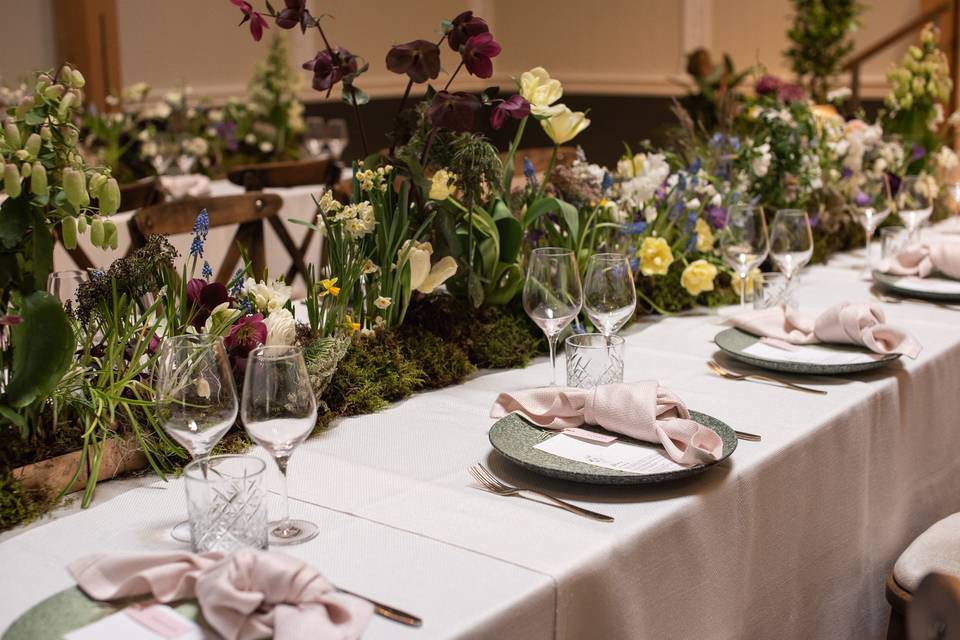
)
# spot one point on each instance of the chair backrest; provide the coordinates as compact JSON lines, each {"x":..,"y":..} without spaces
{"x":247,"y":210}
{"x":294,"y":173}
{"x":540,"y":157}
{"x":935,"y":609}
{"x":140,"y":194}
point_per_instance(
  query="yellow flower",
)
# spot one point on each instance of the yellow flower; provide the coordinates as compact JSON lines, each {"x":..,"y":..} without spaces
{"x":565,"y":124}
{"x":698,"y":277}
{"x":541,"y":91}
{"x":753,"y":275}
{"x":329,"y":287}
{"x":441,"y":187}
{"x":704,"y":235}
{"x":349,"y":324}
{"x":655,"y":257}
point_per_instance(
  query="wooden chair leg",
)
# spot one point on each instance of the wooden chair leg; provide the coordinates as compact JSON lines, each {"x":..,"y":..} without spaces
{"x":296,"y":253}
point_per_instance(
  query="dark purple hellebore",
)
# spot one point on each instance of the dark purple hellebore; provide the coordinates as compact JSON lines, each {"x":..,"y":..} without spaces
{"x":453,"y":111}
{"x":257,"y":22}
{"x":293,"y":14}
{"x":419,"y":59}
{"x":478,"y":54}
{"x":515,"y":107}
{"x":328,"y":69}
{"x":464,"y":26}
{"x":204,"y":297}
{"x":767,"y":85}
{"x":789,"y":92}
{"x":248,"y":333}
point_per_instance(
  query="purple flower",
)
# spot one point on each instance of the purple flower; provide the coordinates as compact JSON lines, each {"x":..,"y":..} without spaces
{"x":917,"y":152}
{"x":894,"y":181}
{"x":453,"y":111}
{"x":478,"y":54}
{"x":463,"y":27}
{"x":717,"y":217}
{"x":227,"y":131}
{"x":204,"y":298}
{"x":789,"y":92}
{"x":846,"y":173}
{"x":419,"y":59}
{"x":329,"y":69}
{"x":257,"y":23}
{"x":861,"y":199}
{"x":515,"y":107}
{"x":767,"y":85}
{"x":248,"y":333}
{"x":293,"y":14}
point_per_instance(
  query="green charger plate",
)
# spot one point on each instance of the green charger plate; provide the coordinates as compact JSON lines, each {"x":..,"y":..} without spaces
{"x":733,"y":341}
{"x":889,"y":282}
{"x":70,"y":610}
{"x":515,"y":439}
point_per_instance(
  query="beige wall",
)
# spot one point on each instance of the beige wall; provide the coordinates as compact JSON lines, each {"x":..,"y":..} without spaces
{"x":603,"y":46}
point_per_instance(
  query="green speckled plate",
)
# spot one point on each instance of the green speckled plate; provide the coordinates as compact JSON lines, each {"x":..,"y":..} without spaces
{"x":733,"y":341}
{"x":70,"y":610}
{"x":515,"y":438}
{"x":889,"y":282}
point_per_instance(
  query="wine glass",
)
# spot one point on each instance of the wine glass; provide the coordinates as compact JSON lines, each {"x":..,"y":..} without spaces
{"x":65,"y":284}
{"x":915,"y":203}
{"x":791,"y":242}
{"x":609,"y":294}
{"x":744,"y":243}
{"x":314,"y":137}
{"x":551,"y":294}
{"x":870,"y":206}
{"x":279,"y":411}
{"x":336,"y":136}
{"x":195,"y":397}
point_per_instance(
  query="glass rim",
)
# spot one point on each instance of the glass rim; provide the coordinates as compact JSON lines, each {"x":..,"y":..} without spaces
{"x":192,"y":340}
{"x":81,"y":272}
{"x":552,"y":251}
{"x":194,"y":470}
{"x":615,"y":340}
{"x":792,"y":212}
{"x":608,"y":256}
{"x":276,"y":352}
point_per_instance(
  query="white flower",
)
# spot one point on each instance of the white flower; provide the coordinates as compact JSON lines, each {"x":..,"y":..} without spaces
{"x":649,"y":172}
{"x":267,"y":297}
{"x":936,"y":118}
{"x":281,"y":328}
{"x":197,"y":146}
{"x":266,"y":146}
{"x":369,"y":267}
{"x":761,"y":163}
{"x":382,"y":302}
{"x":716,"y":200}
{"x":693,"y":204}
{"x":149,"y":149}
{"x":946,"y":158}
{"x":838,"y":95}
{"x":650,"y":214}
{"x":250,"y":138}
{"x":215,"y":115}
{"x":423,"y":277}
{"x":328,"y":203}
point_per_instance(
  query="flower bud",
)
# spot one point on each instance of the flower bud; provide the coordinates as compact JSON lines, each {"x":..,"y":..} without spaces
{"x":33,"y":144}
{"x":70,"y":135}
{"x":21,"y":154}
{"x":97,"y":181}
{"x":110,"y":198}
{"x":45,"y":133}
{"x":74,"y":188}
{"x":11,"y":180}
{"x":43,"y":81}
{"x":12,"y":135}
{"x":26,"y":103}
{"x":82,"y":224}
{"x":65,"y":105}
{"x":38,"y":180}
{"x":96,"y":232}
{"x":110,"y":238}
{"x":25,"y":170}
{"x":68,"y":232}
{"x":78,"y":80}
{"x":54,"y":92}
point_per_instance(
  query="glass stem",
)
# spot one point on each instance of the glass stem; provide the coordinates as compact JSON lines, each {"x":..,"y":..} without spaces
{"x":552,"y":340}
{"x":282,"y":465}
{"x":743,"y":290}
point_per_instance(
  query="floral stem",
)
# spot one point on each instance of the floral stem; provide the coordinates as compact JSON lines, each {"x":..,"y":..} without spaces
{"x":454,"y":75}
{"x":396,"y":118}
{"x":427,"y":146}
{"x":507,"y":175}
{"x":546,"y":175}
{"x":356,"y":110}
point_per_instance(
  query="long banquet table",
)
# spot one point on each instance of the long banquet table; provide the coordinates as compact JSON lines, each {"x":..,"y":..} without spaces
{"x":789,"y":538}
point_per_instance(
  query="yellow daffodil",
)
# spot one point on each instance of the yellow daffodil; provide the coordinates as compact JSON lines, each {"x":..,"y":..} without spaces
{"x":564,"y":125}
{"x":655,"y":257}
{"x":541,"y":91}
{"x":329,"y":286}
{"x":350,"y":325}
{"x":698,"y":277}
{"x":441,"y":186}
{"x":704,"y":236}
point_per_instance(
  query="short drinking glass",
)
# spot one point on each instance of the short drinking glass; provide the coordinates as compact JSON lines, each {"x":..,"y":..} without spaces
{"x":593,"y":359}
{"x":770,"y":289}
{"x":227,"y":502}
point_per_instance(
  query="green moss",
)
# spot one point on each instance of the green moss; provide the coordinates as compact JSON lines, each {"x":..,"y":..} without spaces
{"x":441,"y":363}
{"x":665,"y":292}
{"x":19,"y":506}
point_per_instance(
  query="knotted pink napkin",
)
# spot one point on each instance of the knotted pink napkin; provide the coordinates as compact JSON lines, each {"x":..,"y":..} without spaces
{"x":924,"y":259}
{"x":246,"y":595}
{"x":845,"y":323}
{"x":642,"y":410}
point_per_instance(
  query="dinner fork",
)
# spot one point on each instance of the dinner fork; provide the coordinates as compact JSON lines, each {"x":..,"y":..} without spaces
{"x":489,"y":482}
{"x":753,"y":377}
{"x":892,"y":300}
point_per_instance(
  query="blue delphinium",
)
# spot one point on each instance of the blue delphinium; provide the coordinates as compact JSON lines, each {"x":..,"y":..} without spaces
{"x":635,"y":228}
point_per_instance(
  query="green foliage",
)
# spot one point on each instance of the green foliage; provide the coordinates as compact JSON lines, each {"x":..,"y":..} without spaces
{"x":18,"y":506}
{"x":666,"y":293}
{"x":820,"y":38}
{"x":443,"y":363}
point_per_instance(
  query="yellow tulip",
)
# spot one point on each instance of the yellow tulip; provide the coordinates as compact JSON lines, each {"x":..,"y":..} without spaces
{"x":441,"y":186}
{"x":565,"y":125}
{"x":698,"y":277}
{"x":541,"y":91}
{"x":655,"y":257}
{"x":704,"y":236}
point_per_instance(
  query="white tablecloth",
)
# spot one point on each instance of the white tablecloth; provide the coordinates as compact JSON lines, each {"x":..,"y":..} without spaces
{"x":790,"y":538}
{"x":297,"y":204}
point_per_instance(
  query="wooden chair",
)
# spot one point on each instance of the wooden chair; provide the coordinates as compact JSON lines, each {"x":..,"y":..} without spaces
{"x":247,"y":210}
{"x":540,"y":157}
{"x":935,"y":611}
{"x":270,"y":175}
{"x":140,"y":194}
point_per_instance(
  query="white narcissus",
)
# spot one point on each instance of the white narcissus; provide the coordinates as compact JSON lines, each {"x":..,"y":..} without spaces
{"x":267,"y":297}
{"x":541,"y":91}
{"x":281,"y":328}
{"x":423,"y":277}
{"x":565,"y":124}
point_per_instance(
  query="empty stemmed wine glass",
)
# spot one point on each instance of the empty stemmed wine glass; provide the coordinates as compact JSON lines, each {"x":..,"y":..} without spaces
{"x":195,"y":397}
{"x":744,"y":243}
{"x":337,"y":136}
{"x":870,"y":206}
{"x":64,"y":285}
{"x":914,"y":202}
{"x":609,"y":294}
{"x":551,"y":294}
{"x":279,"y":411}
{"x":314,"y":137}
{"x":791,"y":243}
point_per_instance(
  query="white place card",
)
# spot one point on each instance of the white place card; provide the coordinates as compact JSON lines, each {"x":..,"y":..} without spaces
{"x":618,"y":455}
{"x":932,"y":285}
{"x":156,"y":622}
{"x":810,"y":354}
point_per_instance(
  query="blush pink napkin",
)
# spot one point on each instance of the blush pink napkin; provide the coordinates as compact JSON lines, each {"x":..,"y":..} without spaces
{"x":846,"y":323}
{"x":924,"y":259}
{"x":192,"y":185}
{"x":244,"y":596}
{"x":642,"y":410}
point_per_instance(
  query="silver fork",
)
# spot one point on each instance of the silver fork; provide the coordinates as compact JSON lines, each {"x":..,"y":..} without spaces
{"x":489,"y":482}
{"x":754,"y":377}
{"x":892,"y":300}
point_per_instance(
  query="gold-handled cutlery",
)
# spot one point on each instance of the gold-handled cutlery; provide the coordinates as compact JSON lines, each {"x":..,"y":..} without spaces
{"x":754,"y":377}
{"x":489,"y":482}
{"x":386,"y":611}
{"x":749,"y":437}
